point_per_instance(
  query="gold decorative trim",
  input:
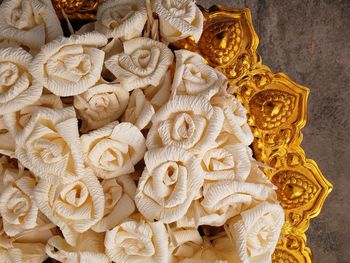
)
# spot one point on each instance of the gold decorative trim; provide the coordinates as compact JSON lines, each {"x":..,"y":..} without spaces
{"x":276,"y":108}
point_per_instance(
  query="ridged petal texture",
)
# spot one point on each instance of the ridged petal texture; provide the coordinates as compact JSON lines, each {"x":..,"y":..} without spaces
{"x":144,"y":62}
{"x":256,"y":231}
{"x":7,"y":142}
{"x":235,"y":117}
{"x":16,"y":121}
{"x":17,"y":87}
{"x":31,"y":23}
{"x":179,"y":19}
{"x":119,"y":195}
{"x":193,"y":76}
{"x":188,"y":122}
{"x":114,"y":149}
{"x":70,"y":66}
{"x":123,"y":19}
{"x":74,"y":207}
{"x":144,"y":102}
{"x":138,"y":241}
{"x":89,"y":249}
{"x":49,"y":145}
{"x":169,"y":183}
{"x":192,"y":248}
{"x":17,"y":208}
{"x":101,"y":104}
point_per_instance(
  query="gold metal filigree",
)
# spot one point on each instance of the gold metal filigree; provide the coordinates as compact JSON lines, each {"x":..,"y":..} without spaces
{"x":276,"y":108}
{"x":77,"y":9}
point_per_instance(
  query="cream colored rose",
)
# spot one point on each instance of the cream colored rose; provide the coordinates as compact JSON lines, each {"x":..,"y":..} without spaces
{"x":90,"y":249}
{"x":123,"y":19}
{"x":144,"y":62}
{"x":15,"y":251}
{"x":49,"y":145}
{"x":101,"y":104}
{"x":17,"y":86}
{"x":217,"y":249}
{"x":222,"y":200}
{"x":144,"y":103}
{"x":17,"y":207}
{"x":169,"y":183}
{"x":70,"y":66}
{"x":193,"y":76}
{"x":7,"y":142}
{"x":227,"y":162}
{"x":114,"y":149}
{"x":179,"y":19}
{"x":184,"y":243}
{"x":31,"y":23}
{"x":256,"y":231}
{"x":119,"y":202}
{"x":138,"y":241}
{"x":16,"y":121}
{"x":189,"y":122}
{"x":74,"y":207}
{"x":235,"y":118}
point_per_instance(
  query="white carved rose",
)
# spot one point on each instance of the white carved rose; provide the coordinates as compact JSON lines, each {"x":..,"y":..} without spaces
{"x":74,"y":207}
{"x":101,"y":104}
{"x":90,"y":249}
{"x":16,"y":121}
{"x":189,"y":122}
{"x":49,"y":145}
{"x":183,"y":243}
{"x":31,"y":23}
{"x":169,"y":183}
{"x":179,"y":19}
{"x":231,"y":161}
{"x":123,"y":19}
{"x":217,"y":249}
{"x":16,"y":251}
{"x":138,"y":241}
{"x":235,"y":118}
{"x":222,"y":200}
{"x":143,"y":103}
{"x":119,"y":202}
{"x":17,"y":207}
{"x":17,"y":86}
{"x":193,"y":76}
{"x":144,"y":62}
{"x":114,"y":149}
{"x":70,"y":66}
{"x":255,"y":232}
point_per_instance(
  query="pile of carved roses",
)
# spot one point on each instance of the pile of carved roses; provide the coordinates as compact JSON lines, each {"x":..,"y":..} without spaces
{"x":116,"y":148}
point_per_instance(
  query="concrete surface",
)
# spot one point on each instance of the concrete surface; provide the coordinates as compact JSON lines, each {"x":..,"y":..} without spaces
{"x":310,"y":41}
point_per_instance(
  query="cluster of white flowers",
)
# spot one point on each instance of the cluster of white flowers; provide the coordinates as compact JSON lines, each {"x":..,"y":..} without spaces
{"x":116,"y":148}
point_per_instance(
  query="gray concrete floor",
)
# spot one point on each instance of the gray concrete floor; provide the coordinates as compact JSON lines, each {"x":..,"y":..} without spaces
{"x":310,"y":41}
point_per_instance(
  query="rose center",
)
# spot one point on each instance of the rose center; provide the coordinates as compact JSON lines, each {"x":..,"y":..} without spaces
{"x":75,"y":194}
{"x":9,"y":74}
{"x":99,"y":102}
{"x":112,"y":196}
{"x":138,"y":246}
{"x":22,"y":16}
{"x":19,"y":204}
{"x":184,"y":126}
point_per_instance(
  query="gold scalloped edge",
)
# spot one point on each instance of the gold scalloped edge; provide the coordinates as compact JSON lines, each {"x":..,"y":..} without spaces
{"x":277,"y":111}
{"x":276,"y":107}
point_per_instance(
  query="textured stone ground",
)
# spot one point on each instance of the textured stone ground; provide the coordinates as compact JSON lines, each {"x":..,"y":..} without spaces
{"x":310,"y":41}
